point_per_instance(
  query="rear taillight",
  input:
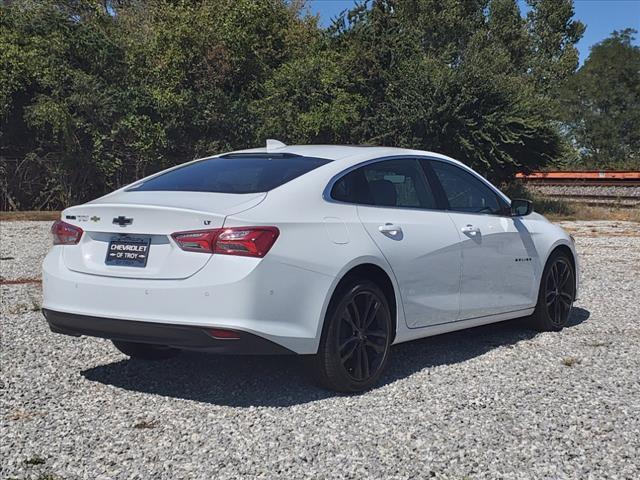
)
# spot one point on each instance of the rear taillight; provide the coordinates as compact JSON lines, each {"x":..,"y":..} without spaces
{"x":197,"y":240}
{"x":243,"y":241}
{"x":65,"y":234}
{"x":246,"y":241}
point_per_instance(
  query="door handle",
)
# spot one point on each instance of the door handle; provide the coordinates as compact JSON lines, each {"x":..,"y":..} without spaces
{"x":390,"y":228}
{"x":470,"y":230}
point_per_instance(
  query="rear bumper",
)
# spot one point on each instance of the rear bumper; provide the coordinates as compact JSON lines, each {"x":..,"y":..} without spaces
{"x":184,"y":337}
{"x":234,"y":293}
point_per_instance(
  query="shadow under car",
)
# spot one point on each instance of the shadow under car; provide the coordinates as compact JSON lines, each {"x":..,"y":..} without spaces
{"x":279,"y":381}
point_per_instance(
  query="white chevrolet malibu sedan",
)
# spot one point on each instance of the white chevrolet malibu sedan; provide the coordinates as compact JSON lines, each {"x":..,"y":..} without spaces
{"x":336,"y":252}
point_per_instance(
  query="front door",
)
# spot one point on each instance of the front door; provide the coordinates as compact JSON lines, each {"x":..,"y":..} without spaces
{"x":498,"y":254}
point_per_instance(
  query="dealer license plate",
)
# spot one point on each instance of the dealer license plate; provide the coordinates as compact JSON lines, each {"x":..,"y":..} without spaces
{"x":128,"y":251}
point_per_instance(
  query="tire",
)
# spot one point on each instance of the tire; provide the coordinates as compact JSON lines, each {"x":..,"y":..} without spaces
{"x":556,"y":294}
{"x":145,"y":351}
{"x":354,"y":347}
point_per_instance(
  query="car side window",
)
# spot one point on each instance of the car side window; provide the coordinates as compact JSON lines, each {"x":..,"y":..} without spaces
{"x":464,"y":192}
{"x":388,"y":183}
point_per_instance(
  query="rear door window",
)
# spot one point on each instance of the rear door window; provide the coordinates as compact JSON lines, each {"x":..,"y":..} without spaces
{"x":233,"y":174}
{"x":388,"y":183}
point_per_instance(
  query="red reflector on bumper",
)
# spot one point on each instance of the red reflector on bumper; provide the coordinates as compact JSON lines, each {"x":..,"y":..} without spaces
{"x":221,"y":334}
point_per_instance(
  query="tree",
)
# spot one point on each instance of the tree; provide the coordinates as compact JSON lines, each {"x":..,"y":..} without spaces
{"x":452,"y":76}
{"x":97,"y":93}
{"x":602,"y":104}
{"x":553,"y":35}
{"x":59,"y":62}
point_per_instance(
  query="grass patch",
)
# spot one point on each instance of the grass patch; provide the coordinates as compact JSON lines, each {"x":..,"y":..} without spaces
{"x":20,"y":281}
{"x":581,"y":211}
{"x":145,"y":424}
{"x":18,"y":415}
{"x":543,"y":205}
{"x":20,"y":308}
{"x":33,"y":461}
{"x":41,"y":215}
{"x":559,"y":210}
{"x":570,"y":361}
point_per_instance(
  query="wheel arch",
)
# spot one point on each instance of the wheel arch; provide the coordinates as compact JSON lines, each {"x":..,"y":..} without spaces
{"x":565,"y":249}
{"x":571,"y":253}
{"x":380,"y":276}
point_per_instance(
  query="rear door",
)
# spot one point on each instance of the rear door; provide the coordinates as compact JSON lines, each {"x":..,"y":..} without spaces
{"x":498,"y":253}
{"x":397,"y":207}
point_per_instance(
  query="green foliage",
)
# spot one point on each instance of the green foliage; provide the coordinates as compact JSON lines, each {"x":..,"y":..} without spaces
{"x":602,"y":105}
{"x":453,"y":76}
{"x":308,"y":100}
{"x":553,"y":35}
{"x":95,"y":94}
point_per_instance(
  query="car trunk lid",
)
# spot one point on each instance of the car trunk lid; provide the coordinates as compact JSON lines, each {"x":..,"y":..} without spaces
{"x":151,"y":218}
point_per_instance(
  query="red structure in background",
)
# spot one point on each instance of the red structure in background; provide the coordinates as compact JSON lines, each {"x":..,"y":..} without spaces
{"x":583,"y":177}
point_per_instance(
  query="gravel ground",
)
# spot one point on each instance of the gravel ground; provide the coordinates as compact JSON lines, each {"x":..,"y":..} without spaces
{"x":493,"y":402}
{"x":17,"y":261}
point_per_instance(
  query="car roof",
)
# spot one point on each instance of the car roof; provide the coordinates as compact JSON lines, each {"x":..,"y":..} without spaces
{"x":344,"y":153}
{"x":346,"y":156}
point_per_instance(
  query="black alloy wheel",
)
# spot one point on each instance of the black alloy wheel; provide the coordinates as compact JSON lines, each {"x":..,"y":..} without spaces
{"x":362,"y":335}
{"x":557,"y":293}
{"x":355,"y":344}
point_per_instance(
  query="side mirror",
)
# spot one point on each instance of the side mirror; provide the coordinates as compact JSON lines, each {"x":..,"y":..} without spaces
{"x":521,"y":207}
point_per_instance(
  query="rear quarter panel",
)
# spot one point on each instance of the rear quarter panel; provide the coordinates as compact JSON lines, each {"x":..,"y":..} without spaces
{"x":317,"y":235}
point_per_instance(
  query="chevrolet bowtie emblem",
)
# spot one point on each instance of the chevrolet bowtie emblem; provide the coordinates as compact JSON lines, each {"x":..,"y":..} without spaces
{"x":122,"y":221}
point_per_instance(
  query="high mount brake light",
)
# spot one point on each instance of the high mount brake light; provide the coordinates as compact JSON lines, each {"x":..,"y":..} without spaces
{"x":65,"y":234}
{"x":241,"y":241}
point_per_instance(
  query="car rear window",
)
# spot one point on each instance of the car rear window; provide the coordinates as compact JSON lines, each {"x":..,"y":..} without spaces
{"x":237,"y":173}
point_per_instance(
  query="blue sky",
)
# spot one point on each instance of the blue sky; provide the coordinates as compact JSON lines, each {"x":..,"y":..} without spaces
{"x":600,"y":16}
